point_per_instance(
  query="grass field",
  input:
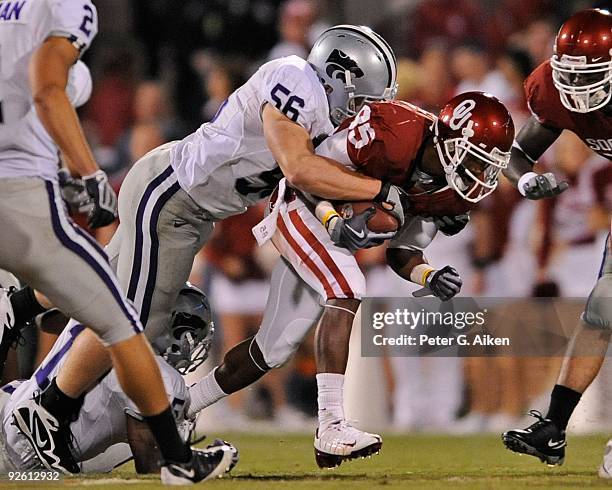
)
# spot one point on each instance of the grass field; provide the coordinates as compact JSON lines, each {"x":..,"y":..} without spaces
{"x":279,"y":462}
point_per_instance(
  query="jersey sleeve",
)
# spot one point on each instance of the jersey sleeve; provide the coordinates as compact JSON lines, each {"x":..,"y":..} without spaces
{"x":291,"y":90}
{"x":416,"y":235}
{"x":543,"y":98}
{"x":383,"y":140}
{"x":75,"y":19}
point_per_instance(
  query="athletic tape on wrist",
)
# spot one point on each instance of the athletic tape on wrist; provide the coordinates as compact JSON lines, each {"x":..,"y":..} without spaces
{"x":420,"y":273}
{"x":523,"y":180}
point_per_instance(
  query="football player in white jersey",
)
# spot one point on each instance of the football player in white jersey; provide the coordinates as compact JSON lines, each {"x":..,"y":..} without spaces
{"x":40,"y":82}
{"x":108,"y":419}
{"x":264,"y":131}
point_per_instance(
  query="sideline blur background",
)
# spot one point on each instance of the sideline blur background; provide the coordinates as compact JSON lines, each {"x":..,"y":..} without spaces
{"x":161,"y":68}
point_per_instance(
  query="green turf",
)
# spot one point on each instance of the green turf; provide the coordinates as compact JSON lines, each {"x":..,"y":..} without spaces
{"x":279,"y":462}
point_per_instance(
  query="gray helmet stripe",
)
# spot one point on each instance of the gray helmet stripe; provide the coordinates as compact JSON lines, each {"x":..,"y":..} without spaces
{"x":376,"y":43}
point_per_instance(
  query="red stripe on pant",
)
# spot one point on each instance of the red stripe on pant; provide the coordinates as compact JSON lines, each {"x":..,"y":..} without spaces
{"x":305,"y":258}
{"x":321,"y":251}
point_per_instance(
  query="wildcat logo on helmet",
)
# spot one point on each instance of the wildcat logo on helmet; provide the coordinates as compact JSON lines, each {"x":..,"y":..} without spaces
{"x":338,"y":62}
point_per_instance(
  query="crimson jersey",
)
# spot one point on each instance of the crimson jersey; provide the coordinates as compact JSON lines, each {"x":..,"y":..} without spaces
{"x":386,"y":141}
{"x":594,"y":128}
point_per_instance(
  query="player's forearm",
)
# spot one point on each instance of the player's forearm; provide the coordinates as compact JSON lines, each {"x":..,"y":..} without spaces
{"x":328,"y":179}
{"x":410,"y":265}
{"x":519,"y":165}
{"x":61,"y":121}
{"x":531,"y":142}
{"x":292,"y":148}
{"x":144,"y":448}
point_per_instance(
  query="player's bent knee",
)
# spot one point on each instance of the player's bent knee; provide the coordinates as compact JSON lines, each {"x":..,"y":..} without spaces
{"x":598,"y":311}
{"x":277,"y":351}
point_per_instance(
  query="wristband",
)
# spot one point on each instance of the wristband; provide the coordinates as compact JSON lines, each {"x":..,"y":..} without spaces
{"x":523,"y":180}
{"x":383,"y":193}
{"x":420,"y":273}
{"x":325,"y":212}
{"x":330,"y":219}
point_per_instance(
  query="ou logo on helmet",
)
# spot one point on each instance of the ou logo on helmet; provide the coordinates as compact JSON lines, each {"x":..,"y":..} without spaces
{"x":461,"y":114}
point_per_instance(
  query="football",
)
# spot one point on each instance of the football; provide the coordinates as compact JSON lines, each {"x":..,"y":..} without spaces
{"x":382,"y":222}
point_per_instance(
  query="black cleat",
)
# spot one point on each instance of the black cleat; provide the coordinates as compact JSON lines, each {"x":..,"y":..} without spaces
{"x":220,"y":442}
{"x":542,"y":439}
{"x":50,"y":438}
{"x":205,"y":464}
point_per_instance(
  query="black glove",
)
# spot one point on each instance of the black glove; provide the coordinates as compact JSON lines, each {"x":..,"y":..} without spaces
{"x":104,"y":200}
{"x":451,"y":225}
{"x":444,"y":283}
{"x":353,"y":233}
{"x":74,"y":192}
{"x":396,"y":197}
{"x":538,"y":186}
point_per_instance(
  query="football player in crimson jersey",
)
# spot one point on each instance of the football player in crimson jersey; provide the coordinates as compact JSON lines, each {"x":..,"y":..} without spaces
{"x":571,"y":91}
{"x":445,"y":164}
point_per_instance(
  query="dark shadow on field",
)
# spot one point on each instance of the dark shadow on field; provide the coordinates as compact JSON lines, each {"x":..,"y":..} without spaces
{"x":424,"y":476}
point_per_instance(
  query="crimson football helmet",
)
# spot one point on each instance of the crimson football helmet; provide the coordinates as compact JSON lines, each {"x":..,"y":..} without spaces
{"x":582,"y":63}
{"x":473,"y":135}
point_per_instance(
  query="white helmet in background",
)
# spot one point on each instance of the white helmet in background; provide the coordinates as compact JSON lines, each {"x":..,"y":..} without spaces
{"x":356,"y":66}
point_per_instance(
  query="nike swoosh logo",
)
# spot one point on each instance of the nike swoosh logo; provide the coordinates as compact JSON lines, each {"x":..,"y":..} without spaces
{"x":349,"y":444}
{"x":188,"y":474}
{"x":361,"y":234}
{"x":555,"y":444}
{"x":178,"y":223}
{"x":595,"y":60}
{"x":41,"y":443}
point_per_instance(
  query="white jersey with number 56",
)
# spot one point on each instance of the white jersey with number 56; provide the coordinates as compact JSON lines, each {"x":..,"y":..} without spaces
{"x":26,"y":149}
{"x":226,"y":166}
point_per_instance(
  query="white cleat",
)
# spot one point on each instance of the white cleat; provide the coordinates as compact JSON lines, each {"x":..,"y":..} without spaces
{"x":605,"y":470}
{"x":341,"y":441}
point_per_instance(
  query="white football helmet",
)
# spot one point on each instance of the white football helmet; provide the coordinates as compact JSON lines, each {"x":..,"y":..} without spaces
{"x":356,"y":66}
{"x":185,"y":345}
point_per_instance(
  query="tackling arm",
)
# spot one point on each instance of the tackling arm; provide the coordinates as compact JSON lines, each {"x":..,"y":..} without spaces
{"x":292,"y":148}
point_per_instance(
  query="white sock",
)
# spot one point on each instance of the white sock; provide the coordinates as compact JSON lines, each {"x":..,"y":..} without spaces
{"x":330,"y":399}
{"x":204,"y":393}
